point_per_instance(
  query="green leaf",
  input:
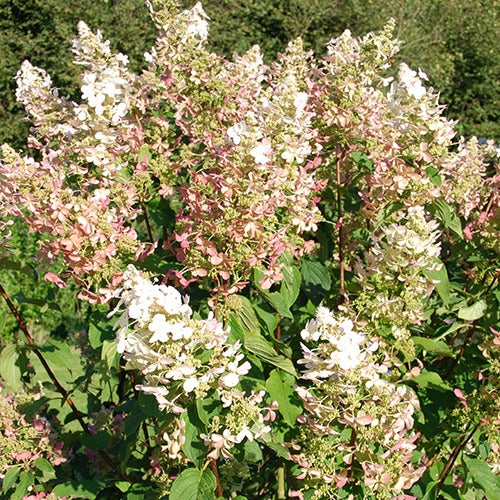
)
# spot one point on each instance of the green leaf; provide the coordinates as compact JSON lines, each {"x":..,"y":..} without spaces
{"x":431,"y":380}
{"x":276,"y":300}
{"x":247,"y":317}
{"x":193,"y":484}
{"x":25,"y":481}
{"x":280,"y":388}
{"x":78,"y":489}
{"x":208,"y":407}
{"x":484,"y":477}
{"x":257,"y":345}
{"x":432,"y":346}
{"x":10,"y":478}
{"x":194,"y":446}
{"x":316,"y":280}
{"x":148,"y":405}
{"x":97,"y":441}
{"x":441,"y":282}
{"x":99,"y":329}
{"x":363,"y":161}
{"x":9,"y":370}
{"x":388,"y":210}
{"x":161,"y":212}
{"x":434,"y":176}
{"x":473,"y":312}
{"x":430,"y":492}
{"x":442,"y":211}
{"x":123,"y":486}
{"x":6,"y":263}
{"x":144,"y":153}
{"x":60,"y":354}
{"x":290,"y":286}
{"x":43,"y":465}
{"x":453,"y":328}
{"x":109,"y":354}
{"x":270,"y":319}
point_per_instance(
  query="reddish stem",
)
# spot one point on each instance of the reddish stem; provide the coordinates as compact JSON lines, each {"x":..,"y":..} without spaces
{"x":56,"y":382}
{"x":453,"y":457}
{"x":213,"y":466}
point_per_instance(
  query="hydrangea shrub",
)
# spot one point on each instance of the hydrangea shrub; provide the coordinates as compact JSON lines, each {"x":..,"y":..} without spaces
{"x":291,"y":270}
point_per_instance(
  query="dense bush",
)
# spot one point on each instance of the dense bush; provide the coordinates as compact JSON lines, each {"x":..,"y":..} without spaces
{"x":289,"y":273}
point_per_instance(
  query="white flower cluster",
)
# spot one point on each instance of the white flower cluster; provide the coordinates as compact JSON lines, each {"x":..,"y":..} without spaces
{"x":394,"y":273}
{"x":191,"y":24}
{"x":245,"y":420}
{"x":348,"y":390}
{"x":35,"y":92}
{"x":344,"y":345}
{"x":197,"y":22}
{"x":179,"y":356}
{"x":412,"y":244}
{"x":416,"y":109}
{"x":106,"y":86}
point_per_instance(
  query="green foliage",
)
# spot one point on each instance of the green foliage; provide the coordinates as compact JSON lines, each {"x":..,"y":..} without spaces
{"x":453,"y":41}
{"x":42,"y":30}
{"x":33,"y":295}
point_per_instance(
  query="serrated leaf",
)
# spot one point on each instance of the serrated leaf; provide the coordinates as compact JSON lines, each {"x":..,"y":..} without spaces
{"x":97,"y":441}
{"x":433,"y":346}
{"x":257,"y":345}
{"x":440,"y":280}
{"x":246,"y":316}
{"x":431,"y":380}
{"x":473,"y":312}
{"x":193,"y":484}
{"x":9,"y":371}
{"x":10,"y":478}
{"x":194,"y":446}
{"x":43,"y":465}
{"x":280,"y":388}
{"x":484,"y":477}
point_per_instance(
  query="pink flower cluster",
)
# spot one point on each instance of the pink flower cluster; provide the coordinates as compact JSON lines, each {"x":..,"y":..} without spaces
{"x":24,"y":439}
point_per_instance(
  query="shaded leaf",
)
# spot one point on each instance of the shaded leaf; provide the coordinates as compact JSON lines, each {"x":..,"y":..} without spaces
{"x":484,"y":477}
{"x":9,"y":370}
{"x":431,"y":380}
{"x":10,"y":478}
{"x":441,"y":282}
{"x":193,"y":484}
{"x":433,"y":346}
